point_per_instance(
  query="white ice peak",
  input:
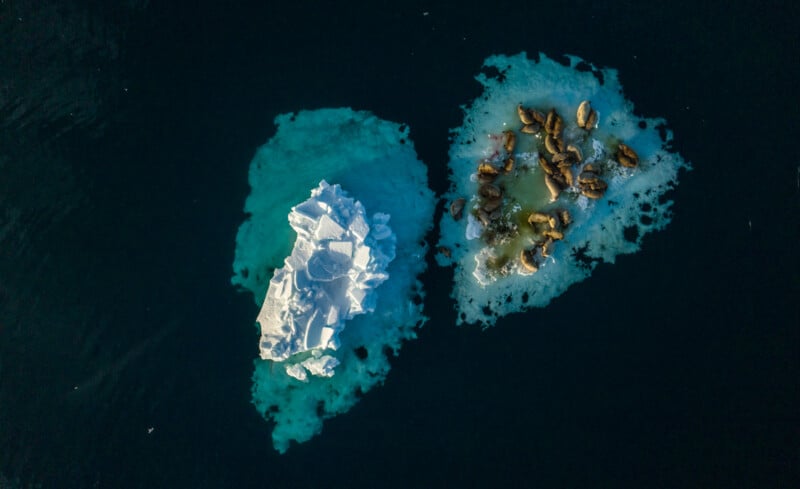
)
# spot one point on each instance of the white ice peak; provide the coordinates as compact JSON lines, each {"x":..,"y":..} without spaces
{"x":338,"y":260}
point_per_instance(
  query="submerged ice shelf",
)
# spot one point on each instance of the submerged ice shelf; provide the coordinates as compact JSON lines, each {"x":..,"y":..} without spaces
{"x":554,"y":174}
{"x":372,"y":168}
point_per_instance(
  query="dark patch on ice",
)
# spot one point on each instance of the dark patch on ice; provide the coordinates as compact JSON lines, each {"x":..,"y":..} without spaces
{"x":599,"y":75}
{"x":642,"y":124}
{"x":645,"y":207}
{"x":492,"y":73}
{"x":402,"y":141}
{"x":487,"y":311}
{"x":320,"y":408}
{"x":361,"y":352}
{"x":563,"y":60}
{"x":509,"y":299}
{"x":662,"y":131}
{"x":582,"y":258}
{"x":585,"y":67}
{"x":631,"y":233}
{"x":244,"y":272}
{"x":646,"y":220}
{"x":525,"y":298}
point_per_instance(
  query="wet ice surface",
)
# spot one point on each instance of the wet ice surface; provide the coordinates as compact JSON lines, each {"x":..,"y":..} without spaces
{"x":490,"y":281}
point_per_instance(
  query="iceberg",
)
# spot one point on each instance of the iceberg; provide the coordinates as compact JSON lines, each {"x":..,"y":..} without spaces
{"x":330,"y":277}
{"x":554,"y":173}
{"x":372,"y":303}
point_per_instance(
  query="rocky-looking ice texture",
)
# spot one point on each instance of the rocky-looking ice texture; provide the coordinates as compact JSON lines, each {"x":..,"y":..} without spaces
{"x":375,"y":163}
{"x":339,"y":258}
{"x":544,"y":186}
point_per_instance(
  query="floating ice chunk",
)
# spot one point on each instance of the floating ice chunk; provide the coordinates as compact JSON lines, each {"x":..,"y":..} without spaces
{"x":375,"y":161}
{"x":380,"y":229}
{"x":322,"y":366}
{"x":490,"y":285}
{"x":297,"y":371}
{"x":474,"y":228}
{"x":316,"y":312}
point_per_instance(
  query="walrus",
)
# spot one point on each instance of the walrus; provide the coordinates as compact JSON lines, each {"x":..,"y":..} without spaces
{"x":457,"y":208}
{"x":584,"y":109}
{"x":538,"y":217}
{"x":553,"y":144}
{"x":531,"y":128}
{"x":552,"y":233}
{"x":627,"y":157}
{"x":553,"y":123}
{"x":528,"y":260}
{"x":490,"y":191}
{"x":548,"y":246}
{"x":592,"y":194}
{"x":552,"y":186}
{"x":510,"y":141}
{"x":524,"y":115}
{"x":575,"y":152}
{"x":546,"y":166}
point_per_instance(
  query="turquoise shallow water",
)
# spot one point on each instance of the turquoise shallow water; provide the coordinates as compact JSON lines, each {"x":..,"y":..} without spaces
{"x":126,"y":134}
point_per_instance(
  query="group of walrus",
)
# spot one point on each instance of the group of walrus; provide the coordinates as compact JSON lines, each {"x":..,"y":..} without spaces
{"x":557,"y":163}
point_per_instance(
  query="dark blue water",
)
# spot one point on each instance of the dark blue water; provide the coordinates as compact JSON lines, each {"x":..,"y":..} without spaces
{"x":125,"y":136}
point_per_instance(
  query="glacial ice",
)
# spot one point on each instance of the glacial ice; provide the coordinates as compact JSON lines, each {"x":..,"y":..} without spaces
{"x":375,"y":163}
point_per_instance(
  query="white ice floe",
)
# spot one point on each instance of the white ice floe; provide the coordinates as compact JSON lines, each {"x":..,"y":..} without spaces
{"x":633,"y":201}
{"x":331,"y":275}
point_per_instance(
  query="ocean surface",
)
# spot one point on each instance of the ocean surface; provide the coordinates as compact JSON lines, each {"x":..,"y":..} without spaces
{"x":126,"y":132}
